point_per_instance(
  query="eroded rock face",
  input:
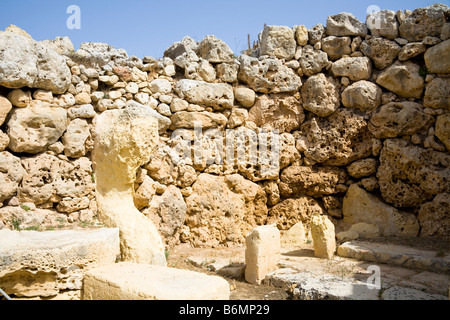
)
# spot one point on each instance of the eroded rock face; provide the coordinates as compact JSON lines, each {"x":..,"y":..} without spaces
{"x":434,"y":217}
{"x":11,"y":174}
{"x":27,"y":63}
{"x":311,"y":181}
{"x":437,"y":94}
{"x":323,"y":235}
{"x":313,"y":61}
{"x":32,"y":130}
{"x":291,"y":211}
{"x":409,"y":175}
{"x":214,"y":50}
{"x":383,"y":24}
{"x":218,"y":96}
{"x":223,"y":209}
{"x":345,"y":24}
{"x":282,"y":112}
{"x":355,"y":68}
{"x":46,"y":176}
{"x":360,"y":206}
{"x":403,"y":79}
{"x":321,"y":95}
{"x":268,"y":75}
{"x":364,"y":95}
{"x":383,"y":52}
{"x":278,"y":41}
{"x":339,"y":139}
{"x":437,"y":58}
{"x":398,"y":119}
{"x":125,"y":140}
{"x":424,"y":22}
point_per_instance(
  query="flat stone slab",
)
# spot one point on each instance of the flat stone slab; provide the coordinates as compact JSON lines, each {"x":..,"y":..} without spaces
{"x":309,"y":286}
{"x":43,"y":263}
{"x":133,"y":281}
{"x":401,"y":293}
{"x":403,"y":256}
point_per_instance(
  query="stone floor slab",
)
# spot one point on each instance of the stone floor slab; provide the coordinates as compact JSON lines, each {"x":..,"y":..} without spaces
{"x":132,"y":281}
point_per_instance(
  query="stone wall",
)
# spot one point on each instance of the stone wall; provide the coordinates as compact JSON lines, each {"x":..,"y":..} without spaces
{"x":349,"y":103}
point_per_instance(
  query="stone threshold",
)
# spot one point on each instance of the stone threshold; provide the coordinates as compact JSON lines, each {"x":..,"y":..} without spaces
{"x":398,"y":255}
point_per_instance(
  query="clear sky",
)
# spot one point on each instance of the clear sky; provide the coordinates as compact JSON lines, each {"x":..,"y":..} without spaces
{"x":148,"y":27}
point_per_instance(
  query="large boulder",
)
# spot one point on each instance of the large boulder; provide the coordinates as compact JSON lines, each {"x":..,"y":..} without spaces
{"x":214,"y":50}
{"x":434,"y":217}
{"x":267,"y":75}
{"x":125,"y":139}
{"x":338,"y":139}
{"x":345,"y":24}
{"x":321,"y":95}
{"x":46,"y":177}
{"x":11,"y":173}
{"x":399,"y":119}
{"x":403,"y":79}
{"x":442,"y":129}
{"x":278,"y":41}
{"x":223,"y":209}
{"x":383,"y":24}
{"x":5,"y":108}
{"x":437,"y":58}
{"x":313,"y":61}
{"x":409,"y":175}
{"x":282,"y":112}
{"x":32,"y":130}
{"x":336,"y":47}
{"x":424,"y":22}
{"x":360,"y":206}
{"x":354,"y":68}
{"x":383,"y":52}
{"x":437,"y":94}
{"x":44,"y":264}
{"x":323,"y":235}
{"x":216,"y":95}
{"x":28,"y":63}
{"x":291,"y":211}
{"x":364,"y":95}
{"x":311,"y":181}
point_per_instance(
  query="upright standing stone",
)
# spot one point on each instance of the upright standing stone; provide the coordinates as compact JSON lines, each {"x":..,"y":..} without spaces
{"x":322,"y":232}
{"x":125,"y":140}
{"x":262,"y":253}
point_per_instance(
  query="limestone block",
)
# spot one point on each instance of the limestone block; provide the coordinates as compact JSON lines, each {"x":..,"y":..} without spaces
{"x":442,"y":130}
{"x":11,"y":173}
{"x":363,"y":95}
{"x":424,"y":22}
{"x":25,"y":62}
{"x":262,"y":253}
{"x":345,"y":24}
{"x":216,"y":95}
{"x":403,"y":79}
{"x":383,"y":24}
{"x":223,"y":209}
{"x":437,"y":94}
{"x":5,"y":108}
{"x":282,"y":112}
{"x":437,"y":58}
{"x":322,"y":232}
{"x":360,"y":206}
{"x":125,"y":140}
{"x":133,"y":281}
{"x":321,"y":95}
{"x":268,"y":75}
{"x":278,"y":41}
{"x":32,"y":130}
{"x":354,"y":68}
{"x":43,"y":263}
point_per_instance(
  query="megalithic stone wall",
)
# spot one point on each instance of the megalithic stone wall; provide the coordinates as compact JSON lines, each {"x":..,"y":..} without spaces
{"x":274,"y":135}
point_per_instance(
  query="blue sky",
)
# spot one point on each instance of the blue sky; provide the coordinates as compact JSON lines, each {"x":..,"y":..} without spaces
{"x":148,"y":27}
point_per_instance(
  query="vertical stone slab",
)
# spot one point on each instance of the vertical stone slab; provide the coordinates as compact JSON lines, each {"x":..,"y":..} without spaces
{"x":323,"y":234}
{"x":125,"y":140}
{"x":262,"y":253}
